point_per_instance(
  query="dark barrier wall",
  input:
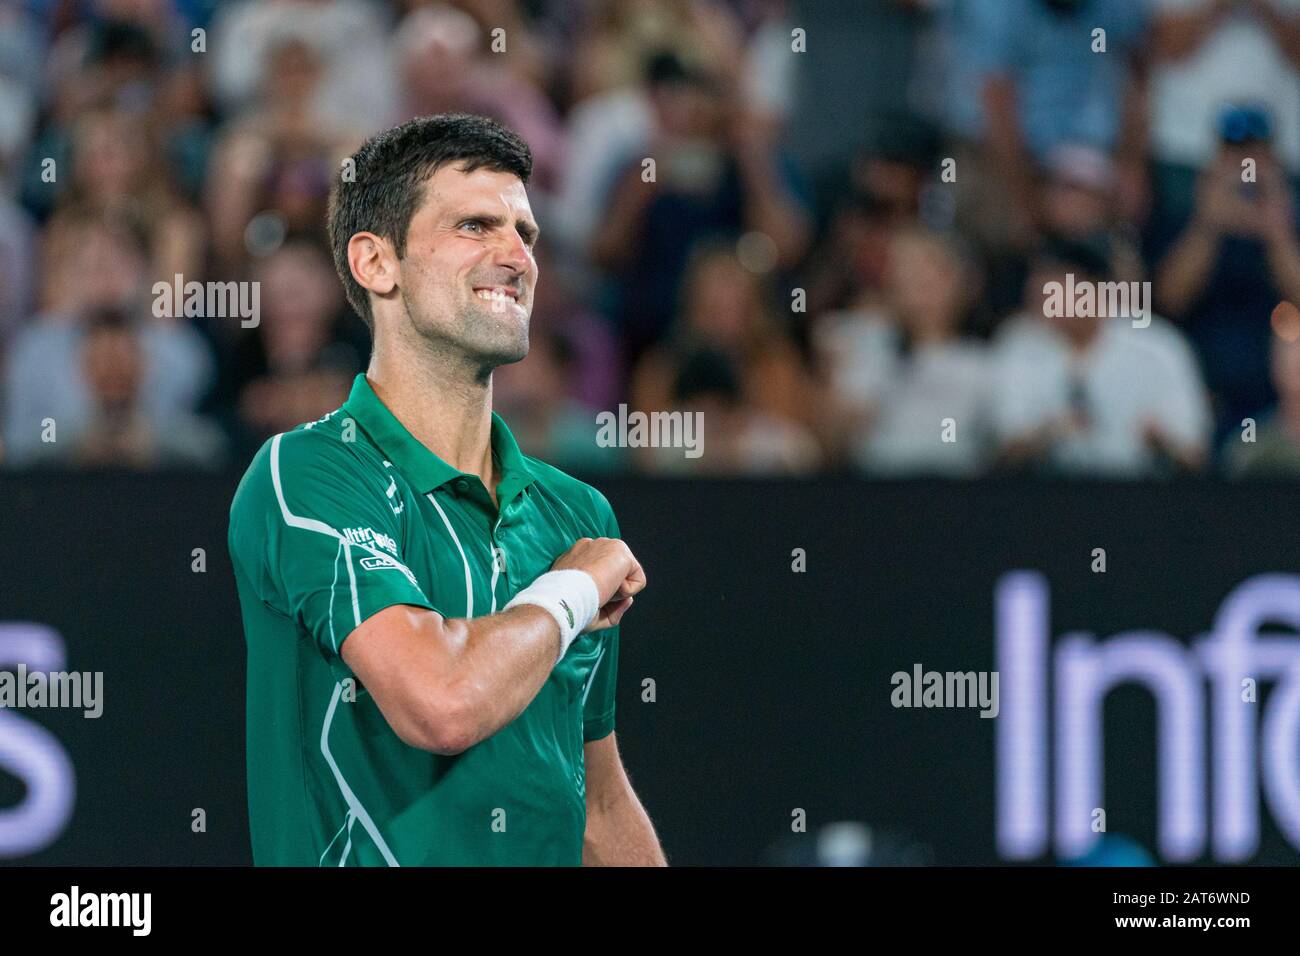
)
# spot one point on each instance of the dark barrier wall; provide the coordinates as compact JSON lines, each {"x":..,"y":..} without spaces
{"x":773,"y":689}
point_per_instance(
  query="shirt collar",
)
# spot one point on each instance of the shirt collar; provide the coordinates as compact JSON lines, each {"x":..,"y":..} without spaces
{"x":423,"y":468}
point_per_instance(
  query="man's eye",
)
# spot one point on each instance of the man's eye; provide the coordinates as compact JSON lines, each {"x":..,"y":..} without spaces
{"x":473,"y":224}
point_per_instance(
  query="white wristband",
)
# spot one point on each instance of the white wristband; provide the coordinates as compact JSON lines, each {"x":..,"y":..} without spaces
{"x":569,"y":596}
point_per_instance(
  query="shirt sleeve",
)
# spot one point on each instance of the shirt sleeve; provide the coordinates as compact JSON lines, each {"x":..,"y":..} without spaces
{"x":334,"y":541}
{"x":598,"y":705}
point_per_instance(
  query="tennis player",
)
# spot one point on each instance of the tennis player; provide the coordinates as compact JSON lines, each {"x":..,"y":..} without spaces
{"x":431,"y":616}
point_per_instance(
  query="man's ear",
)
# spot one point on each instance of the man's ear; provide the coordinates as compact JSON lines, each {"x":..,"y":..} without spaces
{"x":373,"y":263}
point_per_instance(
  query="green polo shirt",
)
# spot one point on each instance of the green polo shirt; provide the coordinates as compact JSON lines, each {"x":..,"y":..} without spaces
{"x":339,"y":519}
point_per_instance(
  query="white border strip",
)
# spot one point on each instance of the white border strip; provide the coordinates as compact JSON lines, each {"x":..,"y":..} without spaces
{"x":469,"y":581}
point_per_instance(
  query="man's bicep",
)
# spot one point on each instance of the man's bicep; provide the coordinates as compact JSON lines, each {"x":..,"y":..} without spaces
{"x":397,"y":654}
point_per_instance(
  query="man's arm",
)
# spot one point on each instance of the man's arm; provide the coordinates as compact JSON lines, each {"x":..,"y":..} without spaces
{"x":619,"y":832}
{"x":614,"y":239}
{"x":1007,"y":151}
{"x":443,"y":684}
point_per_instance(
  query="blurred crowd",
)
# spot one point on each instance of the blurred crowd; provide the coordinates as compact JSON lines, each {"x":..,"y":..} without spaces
{"x":880,"y":307}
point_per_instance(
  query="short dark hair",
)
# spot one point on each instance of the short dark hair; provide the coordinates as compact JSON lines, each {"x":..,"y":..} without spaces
{"x":387,"y":176}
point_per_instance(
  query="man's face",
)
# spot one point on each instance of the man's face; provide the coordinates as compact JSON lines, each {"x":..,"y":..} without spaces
{"x":469,"y":272}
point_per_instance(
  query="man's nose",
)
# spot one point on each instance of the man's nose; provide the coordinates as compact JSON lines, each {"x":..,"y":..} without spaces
{"x":514,"y":252}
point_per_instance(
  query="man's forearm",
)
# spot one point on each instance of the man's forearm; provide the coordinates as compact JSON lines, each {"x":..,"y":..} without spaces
{"x":771,"y":209}
{"x":1007,"y":149}
{"x":445,"y":684}
{"x":614,"y":240}
{"x":502,"y":660}
{"x":1182,"y":275}
{"x":505,"y":660}
{"x":621,"y":834}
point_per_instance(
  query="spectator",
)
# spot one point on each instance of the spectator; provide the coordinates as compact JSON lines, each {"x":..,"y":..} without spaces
{"x":1081,"y":200}
{"x":271,"y":171}
{"x":601,"y":131}
{"x":537,"y":36}
{"x":621,"y":58}
{"x":132,"y":160}
{"x":725,"y":310}
{"x":119,"y":430}
{"x":115,"y":58}
{"x":1230,"y":259}
{"x":1211,"y":54}
{"x":900,"y":373}
{"x":110,"y":65}
{"x":737,"y":437}
{"x":622,"y":34}
{"x":348,"y":42}
{"x":716,"y":175}
{"x":103,"y":263}
{"x":444,"y":68}
{"x":1027,"y":79}
{"x":1275,"y":450}
{"x":115,"y":169}
{"x":300,"y":360}
{"x":1088,"y":393}
{"x":136,"y":58}
{"x":17,"y":263}
{"x":886,"y":183}
{"x":22,"y":48}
